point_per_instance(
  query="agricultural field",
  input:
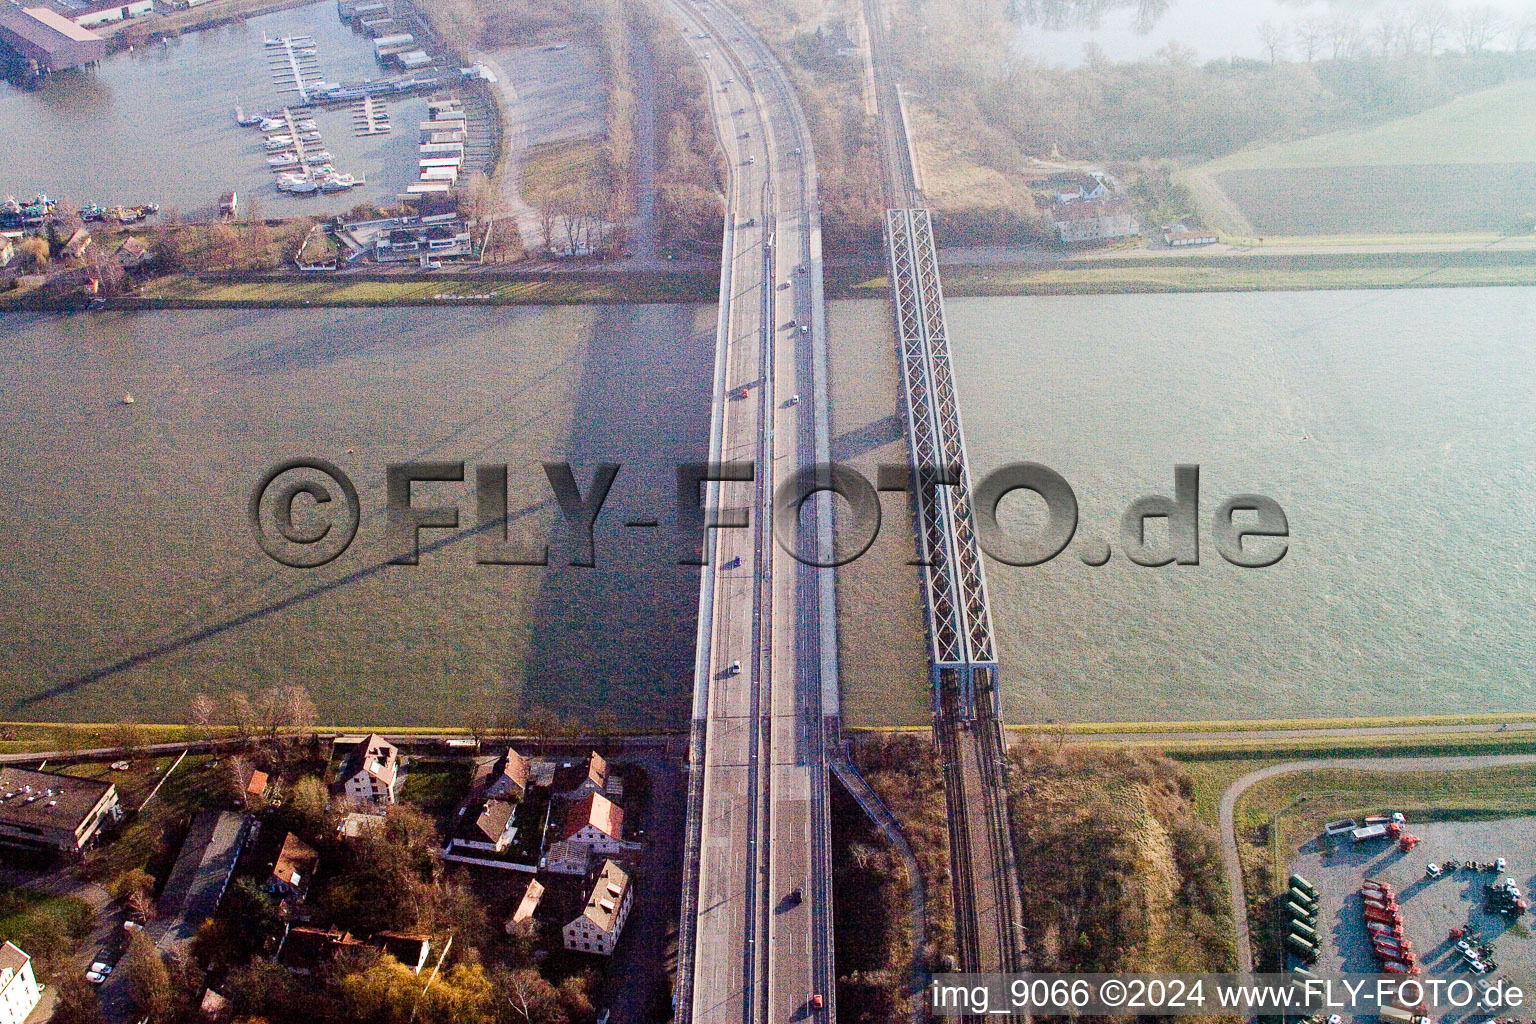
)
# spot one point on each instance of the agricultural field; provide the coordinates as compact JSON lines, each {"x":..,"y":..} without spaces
{"x":1462,"y":166}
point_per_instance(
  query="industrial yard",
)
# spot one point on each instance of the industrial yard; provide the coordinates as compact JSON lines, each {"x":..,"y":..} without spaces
{"x":1430,"y":908}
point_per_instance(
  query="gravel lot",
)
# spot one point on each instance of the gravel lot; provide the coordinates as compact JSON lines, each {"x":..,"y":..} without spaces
{"x":1431,"y":907}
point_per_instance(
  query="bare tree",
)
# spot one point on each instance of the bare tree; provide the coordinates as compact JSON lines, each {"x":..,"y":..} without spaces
{"x":1309,"y":37}
{"x":201,"y":716}
{"x":1387,"y":32}
{"x":1478,"y":27}
{"x":547,"y":216}
{"x":237,"y":776}
{"x":1430,"y":21}
{"x":1521,"y":32}
{"x":1272,"y":38}
{"x":242,"y":716}
{"x":298,"y":711}
{"x":1343,"y":35}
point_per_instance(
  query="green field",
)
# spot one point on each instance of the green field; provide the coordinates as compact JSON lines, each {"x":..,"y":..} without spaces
{"x":1462,"y":166}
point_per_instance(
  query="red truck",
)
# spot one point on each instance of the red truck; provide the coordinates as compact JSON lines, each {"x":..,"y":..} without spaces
{"x":1383,"y":916}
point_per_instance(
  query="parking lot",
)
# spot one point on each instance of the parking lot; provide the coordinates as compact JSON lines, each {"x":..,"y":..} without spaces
{"x":1430,"y":907}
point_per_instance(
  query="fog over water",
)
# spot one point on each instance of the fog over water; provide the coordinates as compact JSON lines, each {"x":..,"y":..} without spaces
{"x":1058,"y":31}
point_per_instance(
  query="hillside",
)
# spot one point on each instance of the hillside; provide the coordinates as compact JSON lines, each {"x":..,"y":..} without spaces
{"x":1118,"y":873}
{"x":1488,"y":127}
{"x":1468,"y":165}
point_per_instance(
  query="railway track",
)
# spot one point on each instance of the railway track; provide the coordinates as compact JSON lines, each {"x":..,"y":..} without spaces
{"x":967,"y":728}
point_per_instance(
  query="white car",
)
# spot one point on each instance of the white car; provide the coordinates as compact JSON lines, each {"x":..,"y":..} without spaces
{"x":120,"y":766}
{"x":98,"y":972}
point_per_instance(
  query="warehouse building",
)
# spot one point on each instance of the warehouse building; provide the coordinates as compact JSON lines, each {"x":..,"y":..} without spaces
{"x":90,"y":13}
{"x":48,"y":811}
{"x":43,"y":35}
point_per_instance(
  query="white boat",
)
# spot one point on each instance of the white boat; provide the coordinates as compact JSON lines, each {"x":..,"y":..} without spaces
{"x":127,"y":399}
{"x":283,"y":160}
{"x":319,"y":156}
{"x":279,"y":143}
{"x":304,"y":125}
{"x":338,"y":182}
{"x":271,"y":124}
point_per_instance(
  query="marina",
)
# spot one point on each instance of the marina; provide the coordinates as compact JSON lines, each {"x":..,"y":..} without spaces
{"x":297,"y":154}
{"x":66,"y":140}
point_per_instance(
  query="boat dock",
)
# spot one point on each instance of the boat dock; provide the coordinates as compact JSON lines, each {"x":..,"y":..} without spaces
{"x":370,"y":117}
{"x":294,"y":63}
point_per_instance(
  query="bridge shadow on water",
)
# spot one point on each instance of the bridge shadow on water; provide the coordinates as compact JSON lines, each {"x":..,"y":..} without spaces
{"x":617,"y":639}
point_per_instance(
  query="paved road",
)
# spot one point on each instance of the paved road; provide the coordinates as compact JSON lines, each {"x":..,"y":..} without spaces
{"x":106,"y":931}
{"x":1391,"y":765}
{"x":758,"y":834}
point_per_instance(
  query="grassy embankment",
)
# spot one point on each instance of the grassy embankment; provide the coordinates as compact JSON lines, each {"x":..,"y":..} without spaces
{"x":324,"y":290}
{"x":1150,"y":278}
{"x":871,"y":883}
{"x":1120,"y":872}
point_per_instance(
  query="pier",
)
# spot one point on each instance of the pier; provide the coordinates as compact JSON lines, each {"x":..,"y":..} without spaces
{"x":370,"y":117}
{"x":296,"y":66}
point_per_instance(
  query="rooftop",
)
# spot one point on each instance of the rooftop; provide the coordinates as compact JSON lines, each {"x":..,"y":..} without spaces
{"x":530,"y":901}
{"x":296,"y":862}
{"x":47,"y":799}
{"x":596,"y":810}
{"x":374,"y":755}
{"x":493,"y":819}
{"x":60,"y":24}
{"x":12,"y":958}
{"x":607,"y":896}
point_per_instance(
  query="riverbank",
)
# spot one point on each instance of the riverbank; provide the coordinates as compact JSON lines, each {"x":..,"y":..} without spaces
{"x":862,"y":278}
{"x":624,"y":286}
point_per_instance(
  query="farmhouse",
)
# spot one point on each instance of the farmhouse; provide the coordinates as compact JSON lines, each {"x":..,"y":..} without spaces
{"x":19,"y":991}
{"x":371,"y":773}
{"x":602,"y":920}
{"x":295,"y":868}
{"x":1094,"y":220}
{"x":508,"y":780}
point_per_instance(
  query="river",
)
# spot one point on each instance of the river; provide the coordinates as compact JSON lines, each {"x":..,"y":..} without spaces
{"x":132,"y":579}
{"x":1395,"y":429}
